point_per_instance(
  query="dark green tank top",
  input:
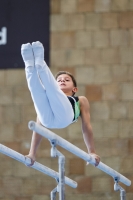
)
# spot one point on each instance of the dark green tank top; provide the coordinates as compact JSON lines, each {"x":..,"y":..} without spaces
{"x":75,"y":105}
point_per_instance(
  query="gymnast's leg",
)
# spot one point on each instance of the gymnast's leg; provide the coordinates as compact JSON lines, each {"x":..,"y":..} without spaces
{"x":51,"y":104}
{"x":61,"y":107}
{"x":38,"y":93}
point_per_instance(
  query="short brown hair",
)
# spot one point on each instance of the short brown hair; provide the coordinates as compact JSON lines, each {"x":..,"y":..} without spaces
{"x":69,"y":74}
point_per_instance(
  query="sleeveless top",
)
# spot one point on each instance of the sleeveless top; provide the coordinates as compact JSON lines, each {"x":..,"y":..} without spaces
{"x":75,"y":105}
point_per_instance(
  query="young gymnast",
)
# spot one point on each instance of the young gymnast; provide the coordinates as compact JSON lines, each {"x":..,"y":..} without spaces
{"x":53,"y":98}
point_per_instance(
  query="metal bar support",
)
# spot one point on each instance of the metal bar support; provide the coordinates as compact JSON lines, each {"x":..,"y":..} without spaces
{"x":61,"y":163}
{"x":53,"y":194}
{"x":117,"y":187}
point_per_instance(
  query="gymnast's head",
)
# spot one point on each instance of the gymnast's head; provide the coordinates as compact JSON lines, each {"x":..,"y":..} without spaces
{"x":66,"y":82}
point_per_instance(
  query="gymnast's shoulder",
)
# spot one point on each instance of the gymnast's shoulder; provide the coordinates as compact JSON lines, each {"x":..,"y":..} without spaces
{"x":84,"y":103}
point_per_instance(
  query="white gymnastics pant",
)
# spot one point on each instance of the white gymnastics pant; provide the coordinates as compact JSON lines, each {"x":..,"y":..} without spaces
{"x":52,"y":106}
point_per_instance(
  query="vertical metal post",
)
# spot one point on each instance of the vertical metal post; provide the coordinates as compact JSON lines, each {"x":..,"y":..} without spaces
{"x":122,"y":194}
{"x":117,"y":187}
{"x":61,"y":162}
{"x":53,"y":194}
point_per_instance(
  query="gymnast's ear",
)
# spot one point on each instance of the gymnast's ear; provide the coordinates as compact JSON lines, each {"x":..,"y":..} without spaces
{"x":75,"y":89}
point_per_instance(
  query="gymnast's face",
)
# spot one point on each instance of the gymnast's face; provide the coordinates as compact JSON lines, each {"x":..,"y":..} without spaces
{"x":66,"y":84}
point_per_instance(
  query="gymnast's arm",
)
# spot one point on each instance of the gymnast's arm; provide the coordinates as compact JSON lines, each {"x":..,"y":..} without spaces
{"x":36,"y":140}
{"x":86,"y":128}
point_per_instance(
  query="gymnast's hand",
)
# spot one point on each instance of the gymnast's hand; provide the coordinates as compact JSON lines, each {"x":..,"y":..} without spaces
{"x":97,"y":159}
{"x":32,"y":160}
